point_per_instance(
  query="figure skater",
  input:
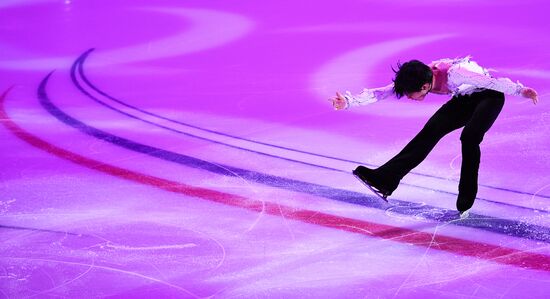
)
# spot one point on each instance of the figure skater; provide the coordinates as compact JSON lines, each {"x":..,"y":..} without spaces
{"x":477,"y":99}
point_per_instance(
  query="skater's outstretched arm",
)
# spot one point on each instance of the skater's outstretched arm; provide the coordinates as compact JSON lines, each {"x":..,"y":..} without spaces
{"x":461,"y":76}
{"x":367,"y":96}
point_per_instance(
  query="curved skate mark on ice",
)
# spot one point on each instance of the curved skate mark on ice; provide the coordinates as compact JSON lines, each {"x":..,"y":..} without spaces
{"x":261,"y":214}
{"x":351,"y":70}
{"x":404,"y":210}
{"x":429,"y":214}
{"x":535,"y":194}
{"x":433,"y":244}
{"x":31,"y":231}
{"x":441,"y":214}
{"x":451,"y":165}
{"x":227,"y":26}
{"x":255,"y":190}
{"x":220,"y":245}
{"x":110,"y":244}
{"x":281,"y":213}
{"x":224,"y":254}
{"x":420,"y":260}
{"x":497,"y":225}
{"x":107,"y":268}
{"x":79,"y":63}
{"x":36,"y":230}
{"x":113,"y":244}
{"x":66,"y":282}
{"x":107,"y":243}
{"x":52,"y":283}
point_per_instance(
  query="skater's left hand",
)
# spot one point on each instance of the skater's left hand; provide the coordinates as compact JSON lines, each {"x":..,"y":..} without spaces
{"x":530,"y":93}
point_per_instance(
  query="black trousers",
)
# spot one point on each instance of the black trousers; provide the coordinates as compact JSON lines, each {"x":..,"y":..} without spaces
{"x":476,"y":113}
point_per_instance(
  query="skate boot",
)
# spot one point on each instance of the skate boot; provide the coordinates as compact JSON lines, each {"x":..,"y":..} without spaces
{"x":368,"y":177}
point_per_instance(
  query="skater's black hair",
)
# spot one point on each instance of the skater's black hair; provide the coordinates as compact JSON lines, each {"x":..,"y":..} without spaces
{"x":410,"y":76}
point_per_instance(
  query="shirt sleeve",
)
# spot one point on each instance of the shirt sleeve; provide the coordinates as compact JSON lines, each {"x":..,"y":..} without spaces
{"x":368,"y":96}
{"x":461,"y":76}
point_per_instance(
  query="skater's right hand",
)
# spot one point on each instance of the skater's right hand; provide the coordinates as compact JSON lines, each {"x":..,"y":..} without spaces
{"x":339,"y":102}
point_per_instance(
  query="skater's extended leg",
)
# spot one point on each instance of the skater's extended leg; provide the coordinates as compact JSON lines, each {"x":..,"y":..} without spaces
{"x":488,"y":106}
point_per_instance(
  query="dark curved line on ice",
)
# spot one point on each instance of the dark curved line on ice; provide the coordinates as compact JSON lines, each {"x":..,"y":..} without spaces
{"x":41,"y":230}
{"x":79,"y":87}
{"x":487,"y":223}
{"x":80,"y":64}
{"x":91,"y":85}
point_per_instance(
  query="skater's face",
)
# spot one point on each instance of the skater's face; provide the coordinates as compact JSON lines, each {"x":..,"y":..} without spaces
{"x":420,"y":95}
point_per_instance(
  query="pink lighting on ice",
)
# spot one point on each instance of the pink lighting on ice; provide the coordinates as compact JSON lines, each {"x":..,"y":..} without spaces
{"x":186,"y":149}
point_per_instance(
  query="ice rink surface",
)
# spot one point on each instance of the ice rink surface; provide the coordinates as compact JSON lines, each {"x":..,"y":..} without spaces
{"x":186,"y":149}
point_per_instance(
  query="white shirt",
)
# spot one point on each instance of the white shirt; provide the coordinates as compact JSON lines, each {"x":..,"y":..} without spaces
{"x":464,"y":77}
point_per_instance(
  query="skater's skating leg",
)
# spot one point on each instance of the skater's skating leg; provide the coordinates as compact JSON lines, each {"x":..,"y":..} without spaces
{"x":489,"y":104}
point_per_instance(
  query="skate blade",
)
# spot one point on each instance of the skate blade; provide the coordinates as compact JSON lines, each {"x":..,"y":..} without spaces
{"x":384,"y":197}
{"x":465,"y":214}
